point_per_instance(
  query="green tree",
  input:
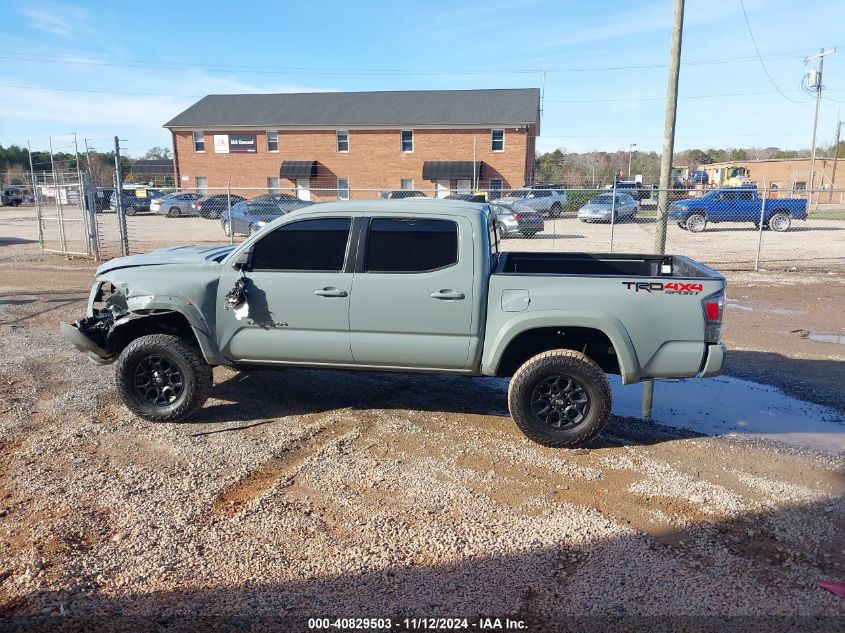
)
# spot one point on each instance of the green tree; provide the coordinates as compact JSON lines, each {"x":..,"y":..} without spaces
{"x":159,"y":153}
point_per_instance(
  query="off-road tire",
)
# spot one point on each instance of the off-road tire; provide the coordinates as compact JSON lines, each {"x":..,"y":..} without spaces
{"x":197,"y":377}
{"x":560,"y":362}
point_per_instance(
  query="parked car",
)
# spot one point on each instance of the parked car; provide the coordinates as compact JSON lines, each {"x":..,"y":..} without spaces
{"x":102,"y":199}
{"x":699,"y":176}
{"x":174,"y":204}
{"x":135,"y":200}
{"x":548,"y":199}
{"x":634,"y":189}
{"x":601,"y":208}
{"x":468,"y":197}
{"x":513,"y":219}
{"x":11,"y":196}
{"x":396,"y":194}
{"x":249,"y":216}
{"x":169,"y":316}
{"x":737,"y":204}
{"x":212,"y":207}
{"x":285,"y":202}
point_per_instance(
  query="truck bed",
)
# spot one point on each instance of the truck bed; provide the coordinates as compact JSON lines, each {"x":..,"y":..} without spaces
{"x":602,"y":265}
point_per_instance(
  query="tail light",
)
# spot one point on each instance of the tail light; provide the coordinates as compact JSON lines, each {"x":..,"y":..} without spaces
{"x":196,"y":206}
{"x":714,"y":308}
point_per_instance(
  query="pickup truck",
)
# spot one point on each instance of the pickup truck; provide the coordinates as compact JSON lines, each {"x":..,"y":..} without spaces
{"x":413,"y":285}
{"x":737,"y":204}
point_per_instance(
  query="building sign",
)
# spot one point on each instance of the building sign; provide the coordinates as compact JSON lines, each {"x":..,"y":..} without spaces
{"x":235,"y":144}
{"x":242,"y":144}
{"x":221,"y":143}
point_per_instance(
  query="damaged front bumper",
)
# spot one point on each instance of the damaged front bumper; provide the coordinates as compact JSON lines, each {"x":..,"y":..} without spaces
{"x":73,"y":333}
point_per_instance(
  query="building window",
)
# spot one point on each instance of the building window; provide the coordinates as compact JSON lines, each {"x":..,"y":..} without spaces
{"x":199,"y":141}
{"x":800,"y":186}
{"x":410,"y":245}
{"x":202,"y":184}
{"x":343,"y":140}
{"x":497,"y":140}
{"x":313,"y":245}
{"x":272,"y":184}
{"x":406,"y":183}
{"x":343,"y":188}
{"x":495,"y":188}
{"x":272,"y":141}
{"x":407,"y":141}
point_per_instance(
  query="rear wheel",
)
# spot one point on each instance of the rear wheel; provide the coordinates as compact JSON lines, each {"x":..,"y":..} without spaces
{"x":696,"y":222}
{"x":227,"y":229}
{"x":780,"y":221}
{"x":560,"y":398}
{"x":173,"y":212}
{"x":130,"y":210}
{"x":163,"y":378}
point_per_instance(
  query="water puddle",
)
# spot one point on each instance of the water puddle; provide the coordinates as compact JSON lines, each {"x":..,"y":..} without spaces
{"x":730,"y":406}
{"x":827,"y":338}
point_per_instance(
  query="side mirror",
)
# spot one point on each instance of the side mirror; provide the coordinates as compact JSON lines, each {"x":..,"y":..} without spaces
{"x":241,"y":261}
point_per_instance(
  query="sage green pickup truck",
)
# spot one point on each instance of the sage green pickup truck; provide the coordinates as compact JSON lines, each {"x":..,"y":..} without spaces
{"x":411,"y":285}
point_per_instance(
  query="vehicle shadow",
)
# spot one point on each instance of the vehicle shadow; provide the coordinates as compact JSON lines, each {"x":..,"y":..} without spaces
{"x":9,"y":241}
{"x":711,"y":576}
{"x":254,"y":397}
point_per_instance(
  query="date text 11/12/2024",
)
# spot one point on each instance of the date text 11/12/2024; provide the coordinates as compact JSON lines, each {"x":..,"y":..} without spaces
{"x":417,"y":624}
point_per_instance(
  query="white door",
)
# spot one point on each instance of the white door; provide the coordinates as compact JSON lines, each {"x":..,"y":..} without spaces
{"x":303,"y":189}
{"x":441,"y":188}
{"x":465,"y":186}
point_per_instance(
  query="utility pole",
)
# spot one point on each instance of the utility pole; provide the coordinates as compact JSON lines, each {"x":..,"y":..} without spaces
{"x":118,"y":190}
{"x":817,"y":86}
{"x":666,"y":159}
{"x":631,"y":146}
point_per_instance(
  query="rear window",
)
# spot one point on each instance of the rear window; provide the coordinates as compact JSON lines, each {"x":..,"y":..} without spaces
{"x":410,"y":245}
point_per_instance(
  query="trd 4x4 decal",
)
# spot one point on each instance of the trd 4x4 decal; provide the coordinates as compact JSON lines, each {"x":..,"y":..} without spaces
{"x":672,"y":288}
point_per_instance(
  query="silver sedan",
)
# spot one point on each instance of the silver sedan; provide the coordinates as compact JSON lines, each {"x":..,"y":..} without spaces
{"x":174,"y":205}
{"x":600,"y":208}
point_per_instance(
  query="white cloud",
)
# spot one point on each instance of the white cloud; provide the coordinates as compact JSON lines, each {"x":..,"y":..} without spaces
{"x":58,"y":19}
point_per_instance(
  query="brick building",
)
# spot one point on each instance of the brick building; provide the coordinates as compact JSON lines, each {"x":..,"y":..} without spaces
{"x":326,"y":146}
{"x":790,"y":174}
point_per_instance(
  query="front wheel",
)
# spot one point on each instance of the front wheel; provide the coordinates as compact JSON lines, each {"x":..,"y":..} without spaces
{"x":227,"y":229}
{"x":163,"y":378}
{"x":696,"y":223}
{"x":173,"y":212}
{"x":780,"y":221}
{"x":130,"y":210}
{"x":560,"y":398}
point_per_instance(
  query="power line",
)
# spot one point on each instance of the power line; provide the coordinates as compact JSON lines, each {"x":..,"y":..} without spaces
{"x":182,"y":66}
{"x":104,"y":92}
{"x":762,"y":63}
{"x":712,"y":96}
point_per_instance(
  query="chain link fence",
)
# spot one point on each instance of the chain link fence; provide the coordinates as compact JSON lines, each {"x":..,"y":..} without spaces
{"x":720,"y":227}
{"x":731,"y":228}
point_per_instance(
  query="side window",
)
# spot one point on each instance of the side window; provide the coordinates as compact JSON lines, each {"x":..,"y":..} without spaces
{"x":410,"y":245}
{"x":746,"y":195}
{"x":309,"y":245}
{"x":542,"y":193}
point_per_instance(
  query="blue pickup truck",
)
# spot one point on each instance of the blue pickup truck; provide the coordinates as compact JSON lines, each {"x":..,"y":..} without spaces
{"x":736,"y":204}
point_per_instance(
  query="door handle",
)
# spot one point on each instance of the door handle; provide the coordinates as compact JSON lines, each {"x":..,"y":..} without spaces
{"x":330,"y":291}
{"x":447,"y":295}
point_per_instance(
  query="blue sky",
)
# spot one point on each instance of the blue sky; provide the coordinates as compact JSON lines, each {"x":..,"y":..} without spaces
{"x":145,"y":62}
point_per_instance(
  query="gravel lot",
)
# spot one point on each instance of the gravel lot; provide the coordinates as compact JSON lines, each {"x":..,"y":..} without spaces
{"x":302,"y":493}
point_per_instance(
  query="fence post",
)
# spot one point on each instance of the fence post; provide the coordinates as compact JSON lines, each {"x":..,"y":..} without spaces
{"x":229,"y":210}
{"x":59,"y":216}
{"x":90,"y":210}
{"x":118,"y":191}
{"x":760,"y":227}
{"x":36,"y":198}
{"x":613,"y":214}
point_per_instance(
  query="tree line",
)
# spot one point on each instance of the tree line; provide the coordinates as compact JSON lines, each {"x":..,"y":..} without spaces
{"x":592,"y":169}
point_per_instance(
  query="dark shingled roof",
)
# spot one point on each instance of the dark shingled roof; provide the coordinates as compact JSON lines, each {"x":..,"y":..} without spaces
{"x":407,"y":107}
{"x":152,"y":167}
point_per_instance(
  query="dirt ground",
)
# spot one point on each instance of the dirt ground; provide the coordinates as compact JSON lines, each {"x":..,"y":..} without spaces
{"x":302,"y":494}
